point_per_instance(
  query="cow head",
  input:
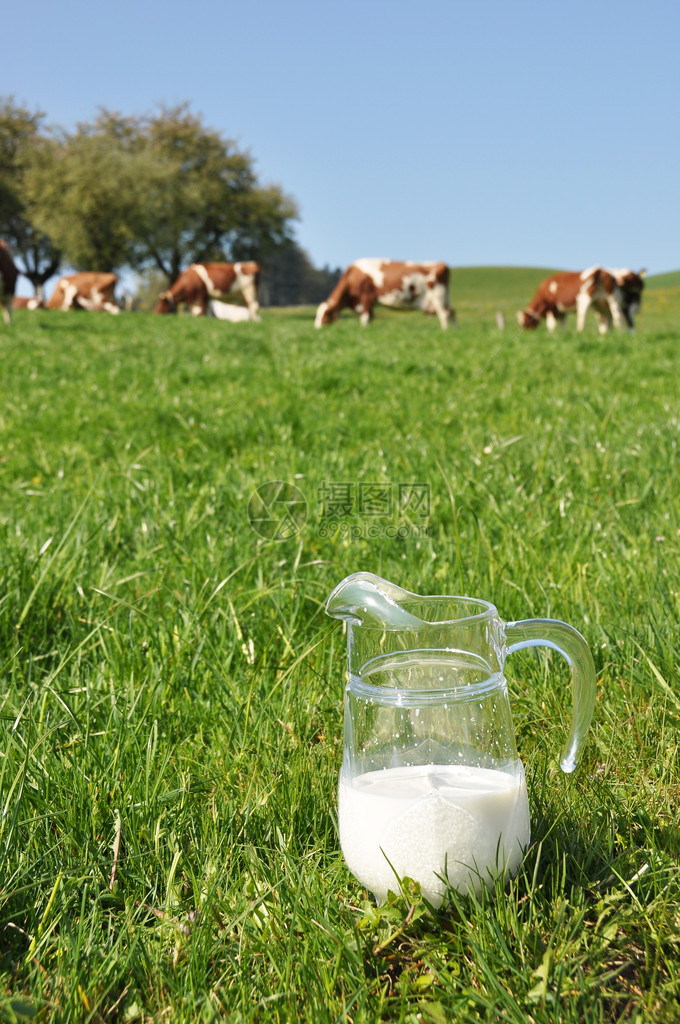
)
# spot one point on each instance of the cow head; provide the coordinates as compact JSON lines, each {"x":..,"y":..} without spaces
{"x":631,"y":285}
{"x":166,"y":303}
{"x":325,"y":315}
{"x":527,"y":319}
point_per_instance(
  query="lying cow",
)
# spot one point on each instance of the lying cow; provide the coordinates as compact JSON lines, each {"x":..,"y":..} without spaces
{"x":422,"y":286}
{"x":615,"y":295}
{"x":21,"y":302}
{"x":8,"y":281}
{"x":206,"y":282}
{"x":89,"y":290}
{"x":228,"y":311}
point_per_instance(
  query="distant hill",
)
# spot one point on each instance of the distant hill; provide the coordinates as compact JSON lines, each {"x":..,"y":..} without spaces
{"x":483,"y":290}
{"x":671,"y":280}
{"x":662,"y":293}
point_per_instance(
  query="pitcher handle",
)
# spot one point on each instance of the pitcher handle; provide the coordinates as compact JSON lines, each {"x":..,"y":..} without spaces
{"x":568,"y":642}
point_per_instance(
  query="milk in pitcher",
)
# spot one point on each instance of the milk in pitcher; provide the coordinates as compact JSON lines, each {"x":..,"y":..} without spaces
{"x":466,"y":823}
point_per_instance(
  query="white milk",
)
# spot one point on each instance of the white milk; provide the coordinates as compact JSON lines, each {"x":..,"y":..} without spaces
{"x":430,"y":820}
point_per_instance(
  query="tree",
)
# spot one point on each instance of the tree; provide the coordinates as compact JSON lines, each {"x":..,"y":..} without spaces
{"x":36,"y":256}
{"x":85,"y":191}
{"x":203,"y":201}
{"x":159,"y":190}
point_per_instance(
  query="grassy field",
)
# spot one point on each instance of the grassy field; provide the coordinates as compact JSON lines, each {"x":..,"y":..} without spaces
{"x":171,"y":690}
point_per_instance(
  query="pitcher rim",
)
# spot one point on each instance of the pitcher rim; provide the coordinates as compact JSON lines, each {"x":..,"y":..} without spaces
{"x":487,"y":610}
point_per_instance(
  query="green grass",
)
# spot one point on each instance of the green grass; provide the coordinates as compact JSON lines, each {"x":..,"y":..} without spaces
{"x":481,"y":291}
{"x":171,"y":690}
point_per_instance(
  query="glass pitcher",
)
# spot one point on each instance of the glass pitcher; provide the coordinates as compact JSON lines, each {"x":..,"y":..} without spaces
{"x":431,"y":786}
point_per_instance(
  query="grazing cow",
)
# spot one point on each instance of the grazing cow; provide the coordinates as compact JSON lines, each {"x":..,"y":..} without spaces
{"x":422,"y":286}
{"x":20,"y":302}
{"x":8,"y":282}
{"x":204,"y":282}
{"x":615,"y":295}
{"x":89,"y":290}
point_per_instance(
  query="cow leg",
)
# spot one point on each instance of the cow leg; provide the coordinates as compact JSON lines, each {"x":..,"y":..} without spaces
{"x":550,"y":321}
{"x":249,"y":293}
{"x":440,"y":305}
{"x":365,"y":311}
{"x":604,"y":324}
{"x":106,"y":303}
{"x":615,"y":311}
{"x":70,"y":292}
{"x":198,"y":303}
{"x":582,"y":307}
{"x":97,"y":304}
{"x":367,"y":299}
{"x":6,"y":316}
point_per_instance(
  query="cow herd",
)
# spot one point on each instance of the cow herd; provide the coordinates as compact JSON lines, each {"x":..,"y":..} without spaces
{"x":207,"y":289}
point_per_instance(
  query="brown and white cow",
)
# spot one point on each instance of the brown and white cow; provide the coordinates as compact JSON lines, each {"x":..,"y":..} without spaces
{"x":89,"y":290}
{"x":21,"y":302}
{"x":408,"y":285}
{"x":8,"y":281}
{"x":206,"y":282}
{"x":615,"y":295}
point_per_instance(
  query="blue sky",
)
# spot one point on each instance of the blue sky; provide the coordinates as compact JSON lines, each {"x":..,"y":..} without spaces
{"x":487,"y":133}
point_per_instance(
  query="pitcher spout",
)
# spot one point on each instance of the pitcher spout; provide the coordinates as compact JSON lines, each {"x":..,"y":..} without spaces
{"x":367,"y":600}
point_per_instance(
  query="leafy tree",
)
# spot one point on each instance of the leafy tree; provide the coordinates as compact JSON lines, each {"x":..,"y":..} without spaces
{"x":203,"y":201}
{"x":85,"y":191}
{"x":36,"y":256}
{"x":159,"y":190}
